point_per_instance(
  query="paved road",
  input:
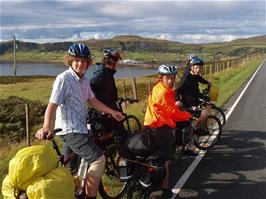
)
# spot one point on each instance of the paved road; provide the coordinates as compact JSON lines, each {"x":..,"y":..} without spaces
{"x":236,"y":167}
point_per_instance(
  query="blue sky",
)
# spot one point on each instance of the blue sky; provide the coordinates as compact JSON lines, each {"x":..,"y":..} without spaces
{"x":190,"y":21}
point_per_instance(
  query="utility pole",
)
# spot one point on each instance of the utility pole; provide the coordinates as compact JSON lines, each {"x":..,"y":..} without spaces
{"x":15,"y":68}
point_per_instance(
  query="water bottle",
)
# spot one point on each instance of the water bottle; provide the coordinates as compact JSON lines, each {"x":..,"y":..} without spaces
{"x":83,"y":168}
{"x":123,"y":170}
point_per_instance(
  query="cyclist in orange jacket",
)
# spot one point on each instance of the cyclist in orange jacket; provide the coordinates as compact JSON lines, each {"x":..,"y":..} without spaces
{"x":161,"y":117}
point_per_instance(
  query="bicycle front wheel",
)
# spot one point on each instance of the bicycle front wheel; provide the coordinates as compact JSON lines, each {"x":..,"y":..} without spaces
{"x":111,"y":186}
{"x":219,"y":113}
{"x":132,"y":124}
{"x":213,"y":129}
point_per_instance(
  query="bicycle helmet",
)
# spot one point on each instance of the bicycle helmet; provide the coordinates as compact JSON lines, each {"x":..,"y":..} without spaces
{"x":167,"y":69}
{"x":196,"y":61}
{"x":191,"y":56}
{"x":112,"y":53}
{"x":80,"y":50}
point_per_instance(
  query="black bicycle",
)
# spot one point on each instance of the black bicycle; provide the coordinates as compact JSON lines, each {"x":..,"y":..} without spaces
{"x":131,"y":122}
{"x":79,"y":179}
{"x":111,"y":185}
{"x":143,"y":165}
{"x":212,"y":127}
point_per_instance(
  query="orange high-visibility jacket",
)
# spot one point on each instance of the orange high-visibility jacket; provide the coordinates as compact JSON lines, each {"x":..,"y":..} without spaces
{"x":161,"y":109}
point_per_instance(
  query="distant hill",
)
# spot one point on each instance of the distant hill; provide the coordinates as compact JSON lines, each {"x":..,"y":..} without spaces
{"x":133,"y":44}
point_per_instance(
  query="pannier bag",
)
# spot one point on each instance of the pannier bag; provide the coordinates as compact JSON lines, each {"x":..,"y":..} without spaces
{"x":30,"y":163}
{"x":137,"y":144}
{"x":57,"y":184}
{"x":8,"y":191}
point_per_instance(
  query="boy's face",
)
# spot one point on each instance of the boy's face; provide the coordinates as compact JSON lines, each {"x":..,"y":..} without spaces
{"x":195,"y":69}
{"x":80,"y":65}
{"x":168,"y":80}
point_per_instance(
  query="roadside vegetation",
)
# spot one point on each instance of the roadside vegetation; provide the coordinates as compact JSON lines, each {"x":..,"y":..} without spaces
{"x":39,"y":88}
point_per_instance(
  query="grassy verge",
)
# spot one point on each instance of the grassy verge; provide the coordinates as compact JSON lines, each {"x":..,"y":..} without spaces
{"x":39,"y":88}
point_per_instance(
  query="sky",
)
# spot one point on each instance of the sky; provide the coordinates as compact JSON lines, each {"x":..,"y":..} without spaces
{"x":187,"y":21}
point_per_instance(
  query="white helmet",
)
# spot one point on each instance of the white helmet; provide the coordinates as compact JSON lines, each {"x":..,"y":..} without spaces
{"x":167,"y":69}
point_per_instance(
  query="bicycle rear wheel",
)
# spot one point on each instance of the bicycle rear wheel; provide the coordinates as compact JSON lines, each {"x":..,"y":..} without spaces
{"x":132,"y":124}
{"x":111,"y":186}
{"x":213,"y":128}
{"x":219,"y":113}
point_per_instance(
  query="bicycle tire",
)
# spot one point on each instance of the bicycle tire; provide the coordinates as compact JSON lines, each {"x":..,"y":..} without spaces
{"x":132,"y":124}
{"x":213,"y":126}
{"x":219,"y":113}
{"x":111,"y":187}
{"x":134,"y":189}
{"x":178,"y":154}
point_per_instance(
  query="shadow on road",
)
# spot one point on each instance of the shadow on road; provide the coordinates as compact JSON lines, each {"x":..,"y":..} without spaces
{"x":235,"y":168}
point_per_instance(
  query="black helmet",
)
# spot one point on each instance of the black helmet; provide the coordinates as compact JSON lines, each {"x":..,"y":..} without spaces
{"x":112,"y":53}
{"x":80,"y":50}
{"x":167,"y":69}
{"x":196,"y":61}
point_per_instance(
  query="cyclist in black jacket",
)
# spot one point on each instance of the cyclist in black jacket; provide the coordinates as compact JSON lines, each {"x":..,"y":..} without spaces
{"x":188,"y":92}
{"x":103,"y":85}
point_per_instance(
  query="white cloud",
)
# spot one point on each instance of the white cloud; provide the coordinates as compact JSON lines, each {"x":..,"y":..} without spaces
{"x":188,"y":21}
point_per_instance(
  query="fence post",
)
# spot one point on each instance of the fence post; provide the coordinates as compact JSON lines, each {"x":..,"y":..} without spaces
{"x":27,"y":124}
{"x":134,"y":88}
{"x":124,"y":89}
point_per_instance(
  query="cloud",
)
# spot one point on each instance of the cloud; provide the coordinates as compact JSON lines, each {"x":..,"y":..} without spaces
{"x":193,"y":21}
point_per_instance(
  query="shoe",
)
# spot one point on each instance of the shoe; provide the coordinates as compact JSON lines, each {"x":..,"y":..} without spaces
{"x":200,"y":131}
{"x":167,"y":193}
{"x":190,"y":153}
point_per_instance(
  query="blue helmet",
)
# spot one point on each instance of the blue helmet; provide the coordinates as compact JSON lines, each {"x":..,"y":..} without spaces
{"x":196,"y":61}
{"x":80,"y":50}
{"x":167,"y":69}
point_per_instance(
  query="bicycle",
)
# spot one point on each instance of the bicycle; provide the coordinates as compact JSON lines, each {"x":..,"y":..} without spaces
{"x":211,"y":126}
{"x":185,"y":135}
{"x":111,"y":186}
{"x":110,"y":150}
{"x":80,"y":178}
{"x":144,"y":165}
{"x":131,"y":122}
{"x":218,"y":112}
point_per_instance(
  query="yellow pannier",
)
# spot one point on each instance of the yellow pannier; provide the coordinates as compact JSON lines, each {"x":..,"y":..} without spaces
{"x":30,"y":163}
{"x":8,"y":190}
{"x":57,"y":184}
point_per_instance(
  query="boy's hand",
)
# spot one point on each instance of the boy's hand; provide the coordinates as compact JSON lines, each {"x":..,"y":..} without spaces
{"x":43,"y":133}
{"x":117,"y":115}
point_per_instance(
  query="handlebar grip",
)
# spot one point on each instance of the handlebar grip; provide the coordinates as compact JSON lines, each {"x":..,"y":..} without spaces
{"x":53,"y":133}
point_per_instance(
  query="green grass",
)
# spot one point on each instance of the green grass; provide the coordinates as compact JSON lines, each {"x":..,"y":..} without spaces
{"x":39,"y":88}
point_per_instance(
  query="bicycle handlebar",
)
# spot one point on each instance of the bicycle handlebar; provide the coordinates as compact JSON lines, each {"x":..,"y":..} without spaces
{"x":55,"y":131}
{"x":55,"y":146}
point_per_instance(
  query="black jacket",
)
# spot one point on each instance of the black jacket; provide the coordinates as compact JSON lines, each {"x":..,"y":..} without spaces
{"x":187,"y":90}
{"x":103,"y":85}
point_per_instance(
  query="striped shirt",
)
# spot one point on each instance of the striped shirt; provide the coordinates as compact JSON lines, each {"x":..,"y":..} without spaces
{"x":71,"y":93}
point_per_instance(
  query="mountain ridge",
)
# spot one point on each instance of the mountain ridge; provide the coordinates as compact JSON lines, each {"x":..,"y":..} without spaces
{"x":133,"y":44}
